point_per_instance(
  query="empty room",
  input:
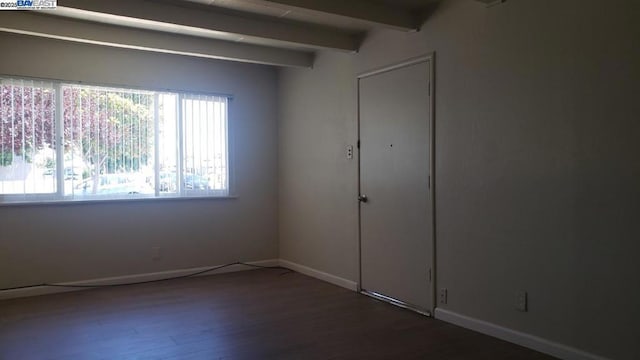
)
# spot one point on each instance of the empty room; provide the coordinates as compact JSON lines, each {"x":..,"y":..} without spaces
{"x":330,"y":179}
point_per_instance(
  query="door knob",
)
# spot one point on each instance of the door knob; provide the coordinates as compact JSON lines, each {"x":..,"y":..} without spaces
{"x":363,"y":198}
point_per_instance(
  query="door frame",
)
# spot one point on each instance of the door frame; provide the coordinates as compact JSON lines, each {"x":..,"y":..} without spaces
{"x":430,"y":62}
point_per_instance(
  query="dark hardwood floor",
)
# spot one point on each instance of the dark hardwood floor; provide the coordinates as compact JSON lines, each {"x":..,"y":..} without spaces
{"x":259,"y":314}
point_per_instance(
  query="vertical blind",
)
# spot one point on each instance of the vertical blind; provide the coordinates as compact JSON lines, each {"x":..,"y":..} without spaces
{"x":27,"y":136}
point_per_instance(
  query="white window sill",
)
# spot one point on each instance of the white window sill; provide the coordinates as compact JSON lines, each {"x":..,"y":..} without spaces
{"x":117,"y":200}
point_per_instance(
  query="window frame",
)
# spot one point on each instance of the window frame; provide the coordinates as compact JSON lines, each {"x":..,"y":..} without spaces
{"x":59,"y":197}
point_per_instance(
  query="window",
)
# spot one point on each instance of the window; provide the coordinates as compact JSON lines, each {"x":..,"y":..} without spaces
{"x":74,"y":142}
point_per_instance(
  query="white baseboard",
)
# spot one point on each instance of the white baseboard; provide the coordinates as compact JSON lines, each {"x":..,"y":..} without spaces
{"x":43,"y":290}
{"x":320,"y":275}
{"x":523,"y":339}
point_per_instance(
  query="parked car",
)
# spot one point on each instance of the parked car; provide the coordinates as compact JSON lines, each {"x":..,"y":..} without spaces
{"x":72,"y":173}
{"x":196,"y":182}
{"x":69,"y":173}
{"x":167,"y":182}
{"x":115,"y":184}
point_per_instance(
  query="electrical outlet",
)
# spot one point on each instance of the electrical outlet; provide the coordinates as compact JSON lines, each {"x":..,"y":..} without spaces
{"x":521,"y":301}
{"x":349,"y":152}
{"x":156,"y":253}
{"x":443,"y":296}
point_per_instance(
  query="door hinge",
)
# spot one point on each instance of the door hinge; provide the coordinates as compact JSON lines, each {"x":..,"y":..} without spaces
{"x":358,"y":144}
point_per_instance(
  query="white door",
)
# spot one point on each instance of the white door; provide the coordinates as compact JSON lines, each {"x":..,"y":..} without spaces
{"x":396,"y":231}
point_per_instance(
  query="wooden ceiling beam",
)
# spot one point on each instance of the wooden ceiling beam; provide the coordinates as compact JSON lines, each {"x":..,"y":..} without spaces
{"x":29,"y":23}
{"x":224,"y":25}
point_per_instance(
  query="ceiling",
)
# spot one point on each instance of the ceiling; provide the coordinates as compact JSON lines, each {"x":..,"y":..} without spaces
{"x":275,"y":32}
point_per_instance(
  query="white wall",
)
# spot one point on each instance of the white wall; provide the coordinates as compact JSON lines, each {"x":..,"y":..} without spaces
{"x":317,"y":203}
{"x":537,"y":183}
{"x":55,"y":243}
